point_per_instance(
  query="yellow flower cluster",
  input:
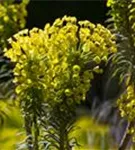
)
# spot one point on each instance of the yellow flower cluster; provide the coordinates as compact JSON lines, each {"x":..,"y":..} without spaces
{"x":61,"y":59}
{"x":126,"y":103}
{"x":12,"y":18}
{"x":110,"y":2}
{"x":123,"y":14}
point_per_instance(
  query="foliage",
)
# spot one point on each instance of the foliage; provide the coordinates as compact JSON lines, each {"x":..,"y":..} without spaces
{"x":122,"y":13}
{"x":12,"y":19}
{"x":126,"y":103}
{"x":11,"y":132}
{"x":54,"y":68}
{"x":53,"y":71}
{"x":91,"y":135}
{"x":123,"y":16}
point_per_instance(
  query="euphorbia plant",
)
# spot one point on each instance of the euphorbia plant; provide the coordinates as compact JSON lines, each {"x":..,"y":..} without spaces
{"x":123,"y":62}
{"x":53,"y":71}
{"x":54,"y":68}
{"x":12,"y":20}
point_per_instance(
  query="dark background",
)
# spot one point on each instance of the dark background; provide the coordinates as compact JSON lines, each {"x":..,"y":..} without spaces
{"x":42,"y":11}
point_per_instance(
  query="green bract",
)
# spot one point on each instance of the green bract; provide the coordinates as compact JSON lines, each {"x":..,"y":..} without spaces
{"x":59,"y":58}
{"x":127,"y":103}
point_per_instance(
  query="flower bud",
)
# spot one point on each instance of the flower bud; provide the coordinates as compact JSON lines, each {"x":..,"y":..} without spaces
{"x":97,"y":59}
{"x":68,"y":92}
{"x":76,"y":68}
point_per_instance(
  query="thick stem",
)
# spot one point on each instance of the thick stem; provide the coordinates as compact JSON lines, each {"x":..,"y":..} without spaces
{"x":67,"y":143}
{"x":36,"y":134}
{"x":126,"y":137}
{"x":28,"y":127}
{"x":64,"y":143}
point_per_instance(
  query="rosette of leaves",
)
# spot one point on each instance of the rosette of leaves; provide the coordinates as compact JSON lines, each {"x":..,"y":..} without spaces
{"x":122,"y":24}
{"x":54,"y":68}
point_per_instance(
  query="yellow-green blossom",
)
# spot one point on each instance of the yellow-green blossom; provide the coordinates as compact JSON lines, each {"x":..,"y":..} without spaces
{"x":57,"y":59}
{"x":12,"y":18}
{"x":126,"y":103}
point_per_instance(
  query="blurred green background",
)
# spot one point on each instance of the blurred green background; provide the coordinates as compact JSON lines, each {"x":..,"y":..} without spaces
{"x":89,"y":134}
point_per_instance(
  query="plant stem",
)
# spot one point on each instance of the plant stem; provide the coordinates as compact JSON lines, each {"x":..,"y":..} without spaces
{"x":64,"y":143}
{"x":67,"y":142}
{"x":61,"y":138}
{"x":28,"y":125}
{"x":126,"y":137}
{"x":36,"y":134}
